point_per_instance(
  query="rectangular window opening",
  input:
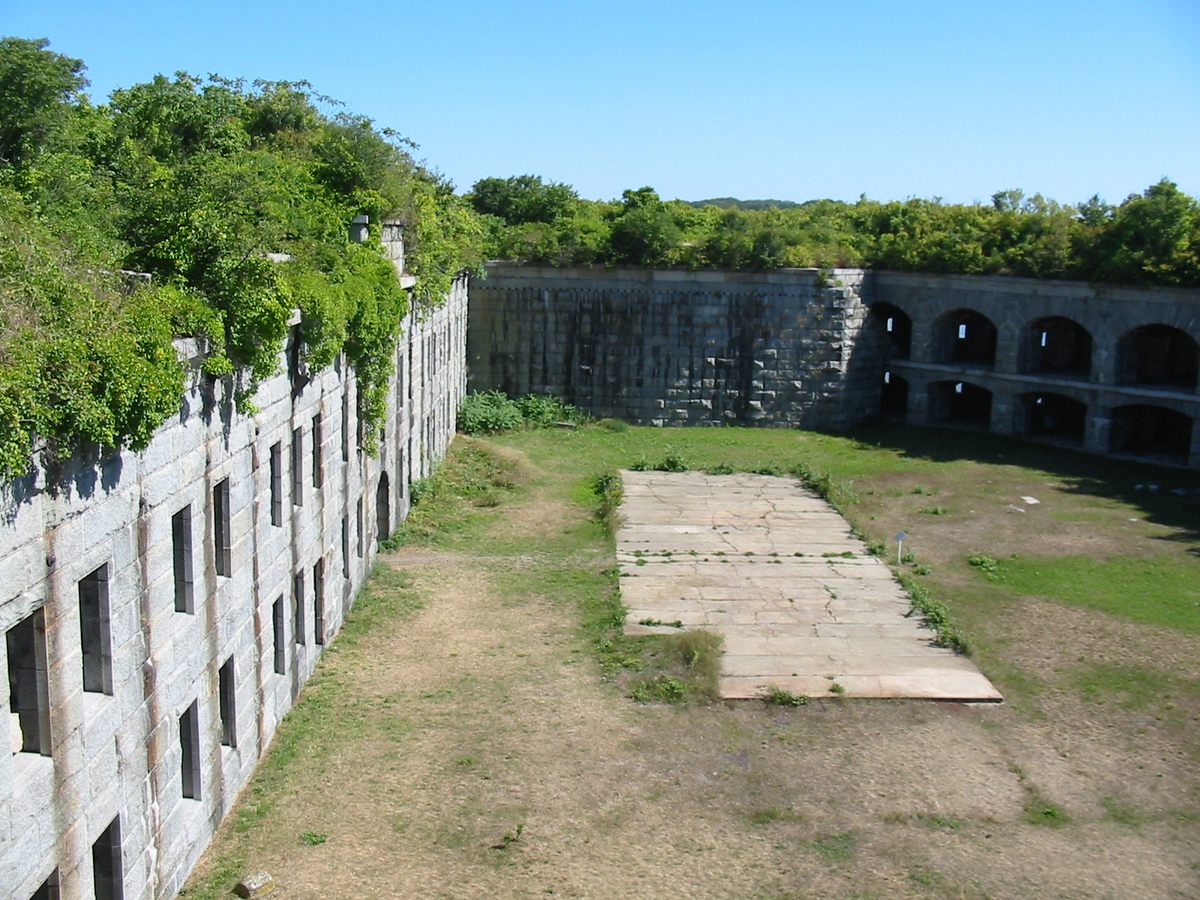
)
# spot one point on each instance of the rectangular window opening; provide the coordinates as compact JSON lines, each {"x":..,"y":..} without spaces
{"x":962,"y":331}
{"x":887,"y":377}
{"x":277,"y":483}
{"x":108,"y":879}
{"x":318,"y":463}
{"x":359,"y":517}
{"x":319,"y":602}
{"x":189,"y":745}
{"x":28,"y":684}
{"x":221,"y":531}
{"x":346,"y":423}
{"x":94,"y":632}
{"x":226,"y":688}
{"x":1045,"y":337}
{"x":345,"y":546}
{"x":298,"y":607}
{"x":958,"y":388}
{"x":181,"y":545}
{"x":49,"y":889}
{"x":298,"y":467}
{"x":280,"y":647}
{"x":891,"y":324}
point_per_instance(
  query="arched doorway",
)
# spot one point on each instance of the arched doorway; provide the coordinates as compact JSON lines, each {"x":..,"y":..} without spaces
{"x":960,"y":403}
{"x":1057,"y":346}
{"x":893,"y":397}
{"x":1151,"y":431}
{"x":1159,"y":356}
{"x":965,"y":337}
{"x":895,"y":323}
{"x":1053,"y":417}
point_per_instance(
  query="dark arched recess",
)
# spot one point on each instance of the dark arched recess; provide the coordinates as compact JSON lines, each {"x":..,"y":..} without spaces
{"x":1151,"y":431}
{"x":960,"y":403}
{"x":1057,"y":346}
{"x":1158,"y":356}
{"x":895,"y":323}
{"x":965,"y":337}
{"x":1053,"y":417}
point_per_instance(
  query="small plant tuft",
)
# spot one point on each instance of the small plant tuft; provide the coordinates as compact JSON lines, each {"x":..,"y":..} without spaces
{"x":773,"y":695}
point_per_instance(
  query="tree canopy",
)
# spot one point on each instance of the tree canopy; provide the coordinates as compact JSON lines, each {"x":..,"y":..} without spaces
{"x":203,"y":184}
{"x":1152,"y":238}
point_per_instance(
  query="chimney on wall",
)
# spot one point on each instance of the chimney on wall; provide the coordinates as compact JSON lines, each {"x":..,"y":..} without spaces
{"x":359,"y":230}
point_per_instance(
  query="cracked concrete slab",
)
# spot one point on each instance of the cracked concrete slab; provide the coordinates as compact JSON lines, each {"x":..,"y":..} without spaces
{"x":778,"y":573}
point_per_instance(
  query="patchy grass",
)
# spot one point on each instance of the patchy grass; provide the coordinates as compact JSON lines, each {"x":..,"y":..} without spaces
{"x":506,"y":700}
{"x":836,"y":848}
{"x":452,"y":502}
{"x":1151,"y":591}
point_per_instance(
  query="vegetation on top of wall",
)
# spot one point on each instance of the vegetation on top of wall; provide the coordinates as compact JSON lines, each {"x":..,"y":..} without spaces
{"x":236,"y":200}
{"x":1151,"y":238}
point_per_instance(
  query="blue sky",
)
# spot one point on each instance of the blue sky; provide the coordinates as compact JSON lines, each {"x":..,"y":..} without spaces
{"x":792,"y":100}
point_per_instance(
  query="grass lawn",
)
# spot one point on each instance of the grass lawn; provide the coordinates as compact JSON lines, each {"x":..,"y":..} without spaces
{"x":473,"y":731}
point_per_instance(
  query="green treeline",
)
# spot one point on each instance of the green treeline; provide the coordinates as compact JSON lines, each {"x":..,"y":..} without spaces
{"x":201,"y":184}
{"x":235,"y":198}
{"x":1152,"y":238}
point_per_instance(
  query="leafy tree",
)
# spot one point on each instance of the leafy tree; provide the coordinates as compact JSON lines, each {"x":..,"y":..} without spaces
{"x":1153,"y":238}
{"x":37,"y":88}
{"x":644,"y":231}
{"x":522,"y":199}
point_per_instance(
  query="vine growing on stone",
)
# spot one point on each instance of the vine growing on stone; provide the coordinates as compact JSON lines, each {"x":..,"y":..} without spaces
{"x":235,"y":199}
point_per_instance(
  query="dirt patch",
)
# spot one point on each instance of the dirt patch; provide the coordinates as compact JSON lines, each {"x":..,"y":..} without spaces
{"x":499,"y":764}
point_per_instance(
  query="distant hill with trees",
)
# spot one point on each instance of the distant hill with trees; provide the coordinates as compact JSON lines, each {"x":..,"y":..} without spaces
{"x":734,"y":203}
{"x":1150,"y":238}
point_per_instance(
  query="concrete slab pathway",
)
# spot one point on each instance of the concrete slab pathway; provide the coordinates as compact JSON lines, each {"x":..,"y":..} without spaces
{"x":776,"y":570}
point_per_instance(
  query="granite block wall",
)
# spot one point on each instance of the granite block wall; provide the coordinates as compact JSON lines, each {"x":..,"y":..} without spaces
{"x":669,"y":347}
{"x":799,"y":347}
{"x":135,"y":586}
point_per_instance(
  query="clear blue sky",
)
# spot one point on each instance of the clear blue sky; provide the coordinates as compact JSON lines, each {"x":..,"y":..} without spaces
{"x":792,"y":100}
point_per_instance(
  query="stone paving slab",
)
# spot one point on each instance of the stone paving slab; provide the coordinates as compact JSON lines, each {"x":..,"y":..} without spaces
{"x":778,"y":573}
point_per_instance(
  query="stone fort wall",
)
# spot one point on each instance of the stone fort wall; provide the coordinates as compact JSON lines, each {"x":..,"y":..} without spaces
{"x":1110,"y":370}
{"x":163,"y":609}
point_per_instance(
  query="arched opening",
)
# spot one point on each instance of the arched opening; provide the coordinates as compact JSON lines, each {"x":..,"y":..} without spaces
{"x":1057,"y":346}
{"x":960,"y":403}
{"x":1158,"y":356}
{"x":383,"y":509}
{"x":1053,"y":417}
{"x":893,"y":398}
{"x":1152,"y":431}
{"x":965,"y":337}
{"x":895,"y":323}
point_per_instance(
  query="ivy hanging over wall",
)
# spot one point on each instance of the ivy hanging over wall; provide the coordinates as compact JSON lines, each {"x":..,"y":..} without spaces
{"x":236,"y":199}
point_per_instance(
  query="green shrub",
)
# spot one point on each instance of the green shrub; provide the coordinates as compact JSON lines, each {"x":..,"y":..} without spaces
{"x":607,"y":486}
{"x":488,"y":412}
{"x":542,"y":411}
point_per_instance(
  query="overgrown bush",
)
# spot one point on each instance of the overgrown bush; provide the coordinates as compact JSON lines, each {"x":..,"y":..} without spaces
{"x":488,"y":412}
{"x":491,"y":412}
{"x":608,"y":487}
